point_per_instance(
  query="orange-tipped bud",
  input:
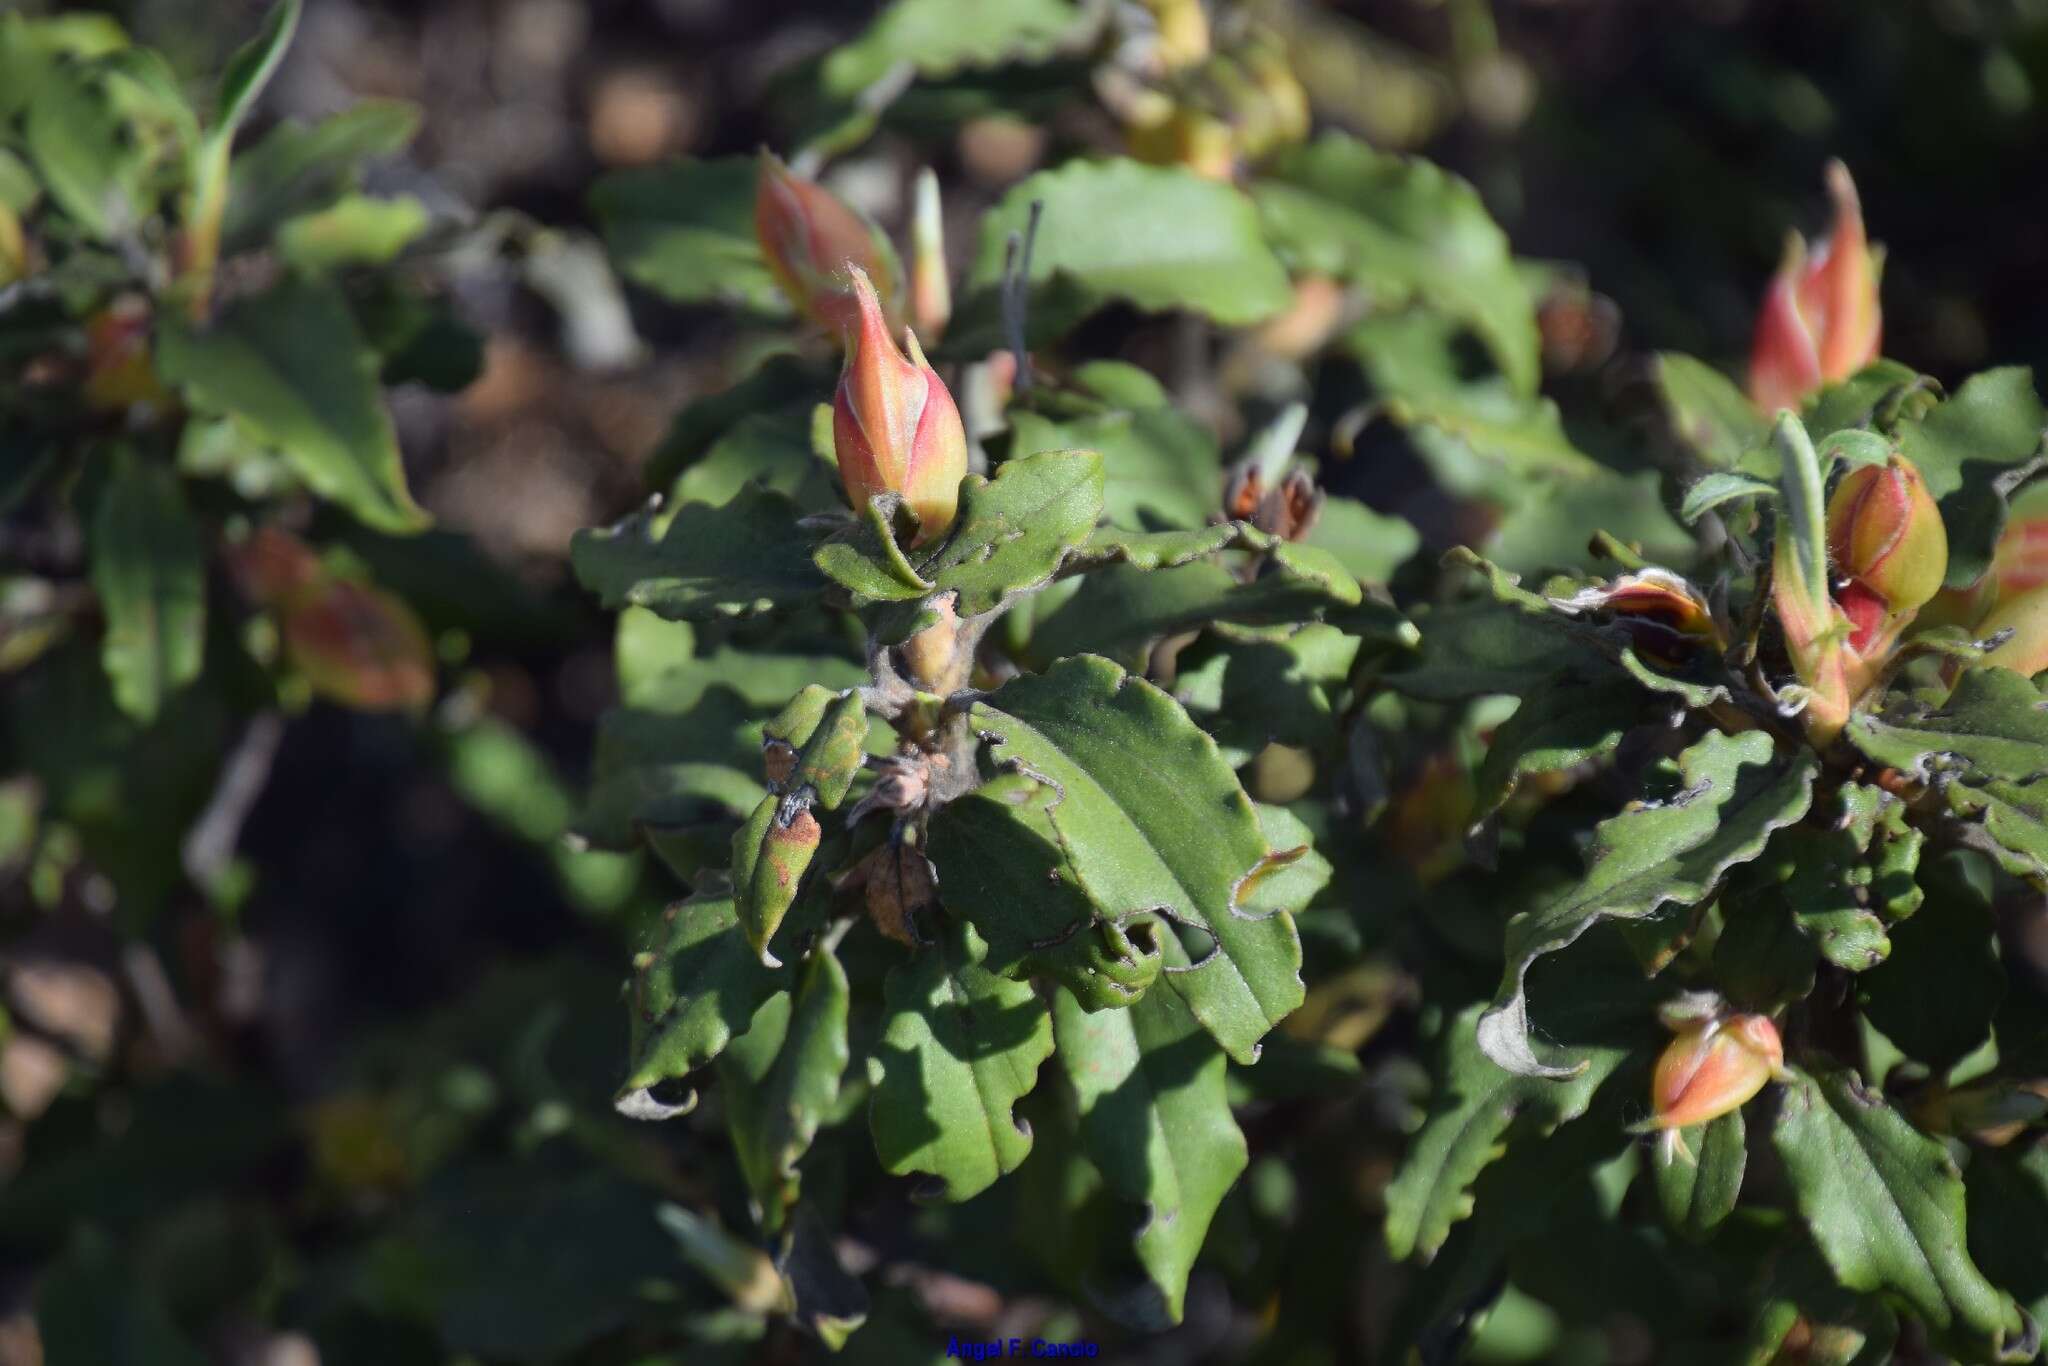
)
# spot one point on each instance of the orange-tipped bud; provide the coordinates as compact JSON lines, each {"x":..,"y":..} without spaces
{"x":1886,"y":539}
{"x":1713,"y":1067}
{"x":895,"y":428}
{"x":1820,"y":320}
{"x":359,"y":646}
{"x":809,"y":236}
{"x":931,"y":292}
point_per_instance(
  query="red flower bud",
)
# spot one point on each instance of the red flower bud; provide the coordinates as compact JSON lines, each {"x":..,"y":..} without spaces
{"x":895,"y":428}
{"x":1713,"y":1068}
{"x":809,"y":236}
{"x":1820,"y":320}
{"x":1885,"y":536}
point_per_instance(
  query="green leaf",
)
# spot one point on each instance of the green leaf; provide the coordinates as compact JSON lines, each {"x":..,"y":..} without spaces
{"x":1560,"y":725}
{"x":864,"y":558}
{"x":252,"y":66}
{"x":1161,"y":468}
{"x":1371,"y":545}
{"x":1885,"y":1205}
{"x":1974,"y":450}
{"x":82,"y":149}
{"x":734,"y":561}
{"x":1111,"y":545}
{"x":149,"y":568}
{"x":1122,"y":610}
{"x":1403,"y":229}
{"x":1469,"y":430}
{"x":781,"y":1078}
{"x":696,"y":985}
{"x":1156,"y":1122}
{"x":1698,"y":1192}
{"x":960,"y":1047}
{"x":1938,"y":993}
{"x":1734,"y":790}
{"x":1154,"y":823}
{"x":1477,"y":1109}
{"x":686,"y":231}
{"x":354,"y":230}
{"x":1992,"y":727}
{"x":772,"y":449}
{"x":931,"y":38}
{"x":1001,"y":867}
{"x":1158,"y":237}
{"x":291,"y":365}
{"x":1707,"y":412}
{"x":1481,"y":645}
{"x":1843,"y":869}
{"x":1288,"y":690}
{"x":784,"y":389}
{"x":299,"y":168}
{"x":1721,"y":487}
{"x":1011,"y":535}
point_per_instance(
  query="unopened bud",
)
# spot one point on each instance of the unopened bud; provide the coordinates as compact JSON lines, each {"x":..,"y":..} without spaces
{"x":1820,"y":320}
{"x":769,"y":859}
{"x":1886,"y":538}
{"x":931,"y":291}
{"x":895,"y":428}
{"x":1713,"y":1068}
{"x":808,"y":237}
{"x":2025,"y":651}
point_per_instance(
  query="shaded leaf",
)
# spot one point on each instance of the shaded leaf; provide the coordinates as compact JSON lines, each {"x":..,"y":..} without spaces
{"x":1559,"y":726}
{"x":1159,"y":237}
{"x":1154,"y":822}
{"x":1939,"y":992}
{"x":961,"y":1046}
{"x":291,"y":365}
{"x":1122,"y":610}
{"x":1699,"y":1191}
{"x":1402,"y":228}
{"x":734,"y":561}
{"x":1160,"y":467}
{"x":695,"y":986}
{"x":781,"y":1077}
{"x":930,"y":37}
{"x":1733,"y":792}
{"x":1156,"y":1122}
{"x":1708,"y":413}
{"x":149,"y":568}
{"x":686,"y":231}
{"x":1001,"y":866}
{"x":1885,"y":1205}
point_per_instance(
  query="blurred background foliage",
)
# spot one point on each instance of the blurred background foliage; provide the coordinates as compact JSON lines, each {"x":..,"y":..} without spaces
{"x":350,"y":1101}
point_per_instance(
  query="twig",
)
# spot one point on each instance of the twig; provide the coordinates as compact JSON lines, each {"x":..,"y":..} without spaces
{"x":1016,"y":292}
{"x":211,"y":841}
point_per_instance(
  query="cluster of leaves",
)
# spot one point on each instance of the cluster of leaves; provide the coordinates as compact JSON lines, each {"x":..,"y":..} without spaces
{"x":1174,"y":870}
{"x":1191,"y":732}
{"x":195,"y":338}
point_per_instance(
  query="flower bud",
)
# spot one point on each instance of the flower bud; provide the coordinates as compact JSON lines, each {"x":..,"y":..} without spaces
{"x":895,"y":428}
{"x":1666,"y":619}
{"x":1713,"y":1068}
{"x":1885,"y":536}
{"x":1820,"y":320}
{"x":809,"y":236}
{"x":2026,"y":616}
